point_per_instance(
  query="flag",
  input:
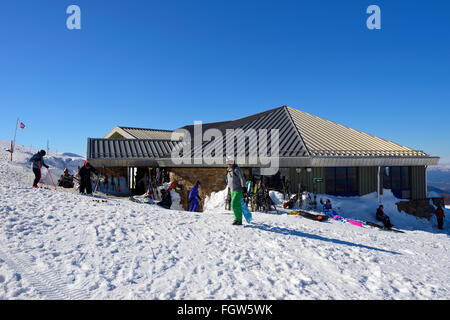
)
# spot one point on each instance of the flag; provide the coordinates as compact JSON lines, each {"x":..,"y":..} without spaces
{"x":22,"y":125}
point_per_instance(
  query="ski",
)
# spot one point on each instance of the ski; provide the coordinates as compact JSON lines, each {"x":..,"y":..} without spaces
{"x":372,"y":224}
{"x":311,"y":216}
{"x":245,"y":212}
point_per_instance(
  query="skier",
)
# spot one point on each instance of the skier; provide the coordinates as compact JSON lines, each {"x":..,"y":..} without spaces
{"x":166,"y":200}
{"x":85,"y":177}
{"x":194,"y":198}
{"x":440,"y":217}
{"x":236,"y":182}
{"x":38,"y":162}
{"x":381,"y":216}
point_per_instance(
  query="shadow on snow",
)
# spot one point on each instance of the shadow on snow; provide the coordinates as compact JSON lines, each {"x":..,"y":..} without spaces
{"x":285,"y":231}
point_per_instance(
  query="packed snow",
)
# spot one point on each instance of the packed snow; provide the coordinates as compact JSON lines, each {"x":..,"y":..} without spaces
{"x":57,"y":244}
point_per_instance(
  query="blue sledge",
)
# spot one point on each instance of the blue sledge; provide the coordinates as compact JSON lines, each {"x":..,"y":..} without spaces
{"x":246,"y":213}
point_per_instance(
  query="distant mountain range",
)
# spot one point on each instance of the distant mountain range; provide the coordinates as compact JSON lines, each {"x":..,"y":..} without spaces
{"x":439,"y":178}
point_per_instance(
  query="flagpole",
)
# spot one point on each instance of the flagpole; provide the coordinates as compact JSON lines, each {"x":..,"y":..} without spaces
{"x":14,"y":144}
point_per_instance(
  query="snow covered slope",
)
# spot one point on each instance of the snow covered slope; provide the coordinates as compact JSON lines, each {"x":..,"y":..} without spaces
{"x":62,"y":245}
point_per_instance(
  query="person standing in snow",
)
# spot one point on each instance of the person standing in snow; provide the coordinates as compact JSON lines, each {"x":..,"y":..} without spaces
{"x":236,"y":182}
{"x":85,"y":177}
{"x":38,"y":162}
{"x":440,"y":217}
{"x":194,"y":198}
{"x":381,"y":216}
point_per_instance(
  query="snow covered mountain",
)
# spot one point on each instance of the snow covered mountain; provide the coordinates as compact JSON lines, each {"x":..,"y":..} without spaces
{"x":56,"y":244}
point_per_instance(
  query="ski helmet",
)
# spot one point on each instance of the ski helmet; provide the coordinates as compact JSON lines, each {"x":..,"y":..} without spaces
{"x":42,"y":152}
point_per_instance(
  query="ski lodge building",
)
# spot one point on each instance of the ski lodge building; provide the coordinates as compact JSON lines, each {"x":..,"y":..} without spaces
{"x":318,"y":155}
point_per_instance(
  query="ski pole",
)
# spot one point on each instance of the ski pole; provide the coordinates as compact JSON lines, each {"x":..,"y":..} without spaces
{"x":98,"y":181}
{"x":51,"y":178}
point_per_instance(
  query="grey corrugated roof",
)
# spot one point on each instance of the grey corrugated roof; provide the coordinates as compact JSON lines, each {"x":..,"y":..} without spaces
{"x":155,"y":134}
{"x":326,"y":138}
{"x":291,"y":144}
{"x":128,"y":148}
{"x":303,"y":139}
{"x":140,"y":133}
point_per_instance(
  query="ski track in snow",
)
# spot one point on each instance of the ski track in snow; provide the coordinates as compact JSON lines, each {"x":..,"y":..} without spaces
{"x":56,"y":244}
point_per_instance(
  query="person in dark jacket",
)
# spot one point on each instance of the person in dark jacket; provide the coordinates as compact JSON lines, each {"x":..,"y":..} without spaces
{"x":166,"y":201}
{"x":381,"y":216}
{"x":66,"y":180}
{"x":85,"y":177}
{"x":440,"y":217}
{"x":38,"y":163}
{"x":194,"y":198}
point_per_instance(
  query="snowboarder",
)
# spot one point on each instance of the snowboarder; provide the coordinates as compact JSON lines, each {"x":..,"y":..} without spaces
{"x":236,"y":182}
{"x":194,"y":198}
{"x":166,"y":201}
{"x":440,"y":217}
{"x":38,"y":162}
{"x":85,"y":177}
{"x":381,"y":216}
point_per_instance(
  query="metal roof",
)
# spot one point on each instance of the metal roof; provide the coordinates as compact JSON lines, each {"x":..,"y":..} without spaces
{"x":141,"y":133}
{"x":326,"y":138}
{"x":304,"y":140}
{"x":128,"y":148}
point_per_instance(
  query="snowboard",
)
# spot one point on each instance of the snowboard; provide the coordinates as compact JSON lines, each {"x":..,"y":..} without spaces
{"x":311,"y":216}
{"x":245,"y":212}
{"x":345,"y":220}
{"x":372,"y":224}
{"x":144,"y":201}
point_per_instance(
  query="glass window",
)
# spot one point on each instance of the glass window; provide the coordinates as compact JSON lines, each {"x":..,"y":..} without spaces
{"x":352,"y":179}
{"x":405,"y":178}
{"x":396,"y":182}
{"x":341,"y":175}
{"x":329,"y":180}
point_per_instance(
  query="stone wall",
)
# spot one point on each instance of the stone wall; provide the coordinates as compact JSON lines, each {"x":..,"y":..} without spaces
{"x":211,"y":180}
{"x":419,"y":208}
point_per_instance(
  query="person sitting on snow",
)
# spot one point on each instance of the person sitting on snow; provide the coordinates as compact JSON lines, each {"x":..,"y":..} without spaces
{"x":328,"y":209}
{"x":381,"y":216}
{"x":66,"y":179}
{"x":166,"y":201}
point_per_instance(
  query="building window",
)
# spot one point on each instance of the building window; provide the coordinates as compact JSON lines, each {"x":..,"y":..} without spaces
{"x":341,"y":181}
{"x":397,"y":179}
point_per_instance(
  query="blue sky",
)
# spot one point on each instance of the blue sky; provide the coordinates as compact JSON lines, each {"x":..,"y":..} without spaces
{"x":163,"y":64}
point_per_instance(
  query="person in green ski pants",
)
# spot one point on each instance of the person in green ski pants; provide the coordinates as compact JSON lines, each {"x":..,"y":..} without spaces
{"x":236,"y":182}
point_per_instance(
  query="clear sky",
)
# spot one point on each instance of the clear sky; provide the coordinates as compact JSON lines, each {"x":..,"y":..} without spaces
{"x":163,"y":64}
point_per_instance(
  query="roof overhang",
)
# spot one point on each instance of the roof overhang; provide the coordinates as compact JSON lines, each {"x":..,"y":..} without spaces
{"x":281,"y":162}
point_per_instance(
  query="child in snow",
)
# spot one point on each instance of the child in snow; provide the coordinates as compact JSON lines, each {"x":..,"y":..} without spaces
{"x":381,"y":216}
{"x":328,"y":209}
{"x":194,"y":198}
{"x":38,"y":162}
{"x":440,"y":217}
